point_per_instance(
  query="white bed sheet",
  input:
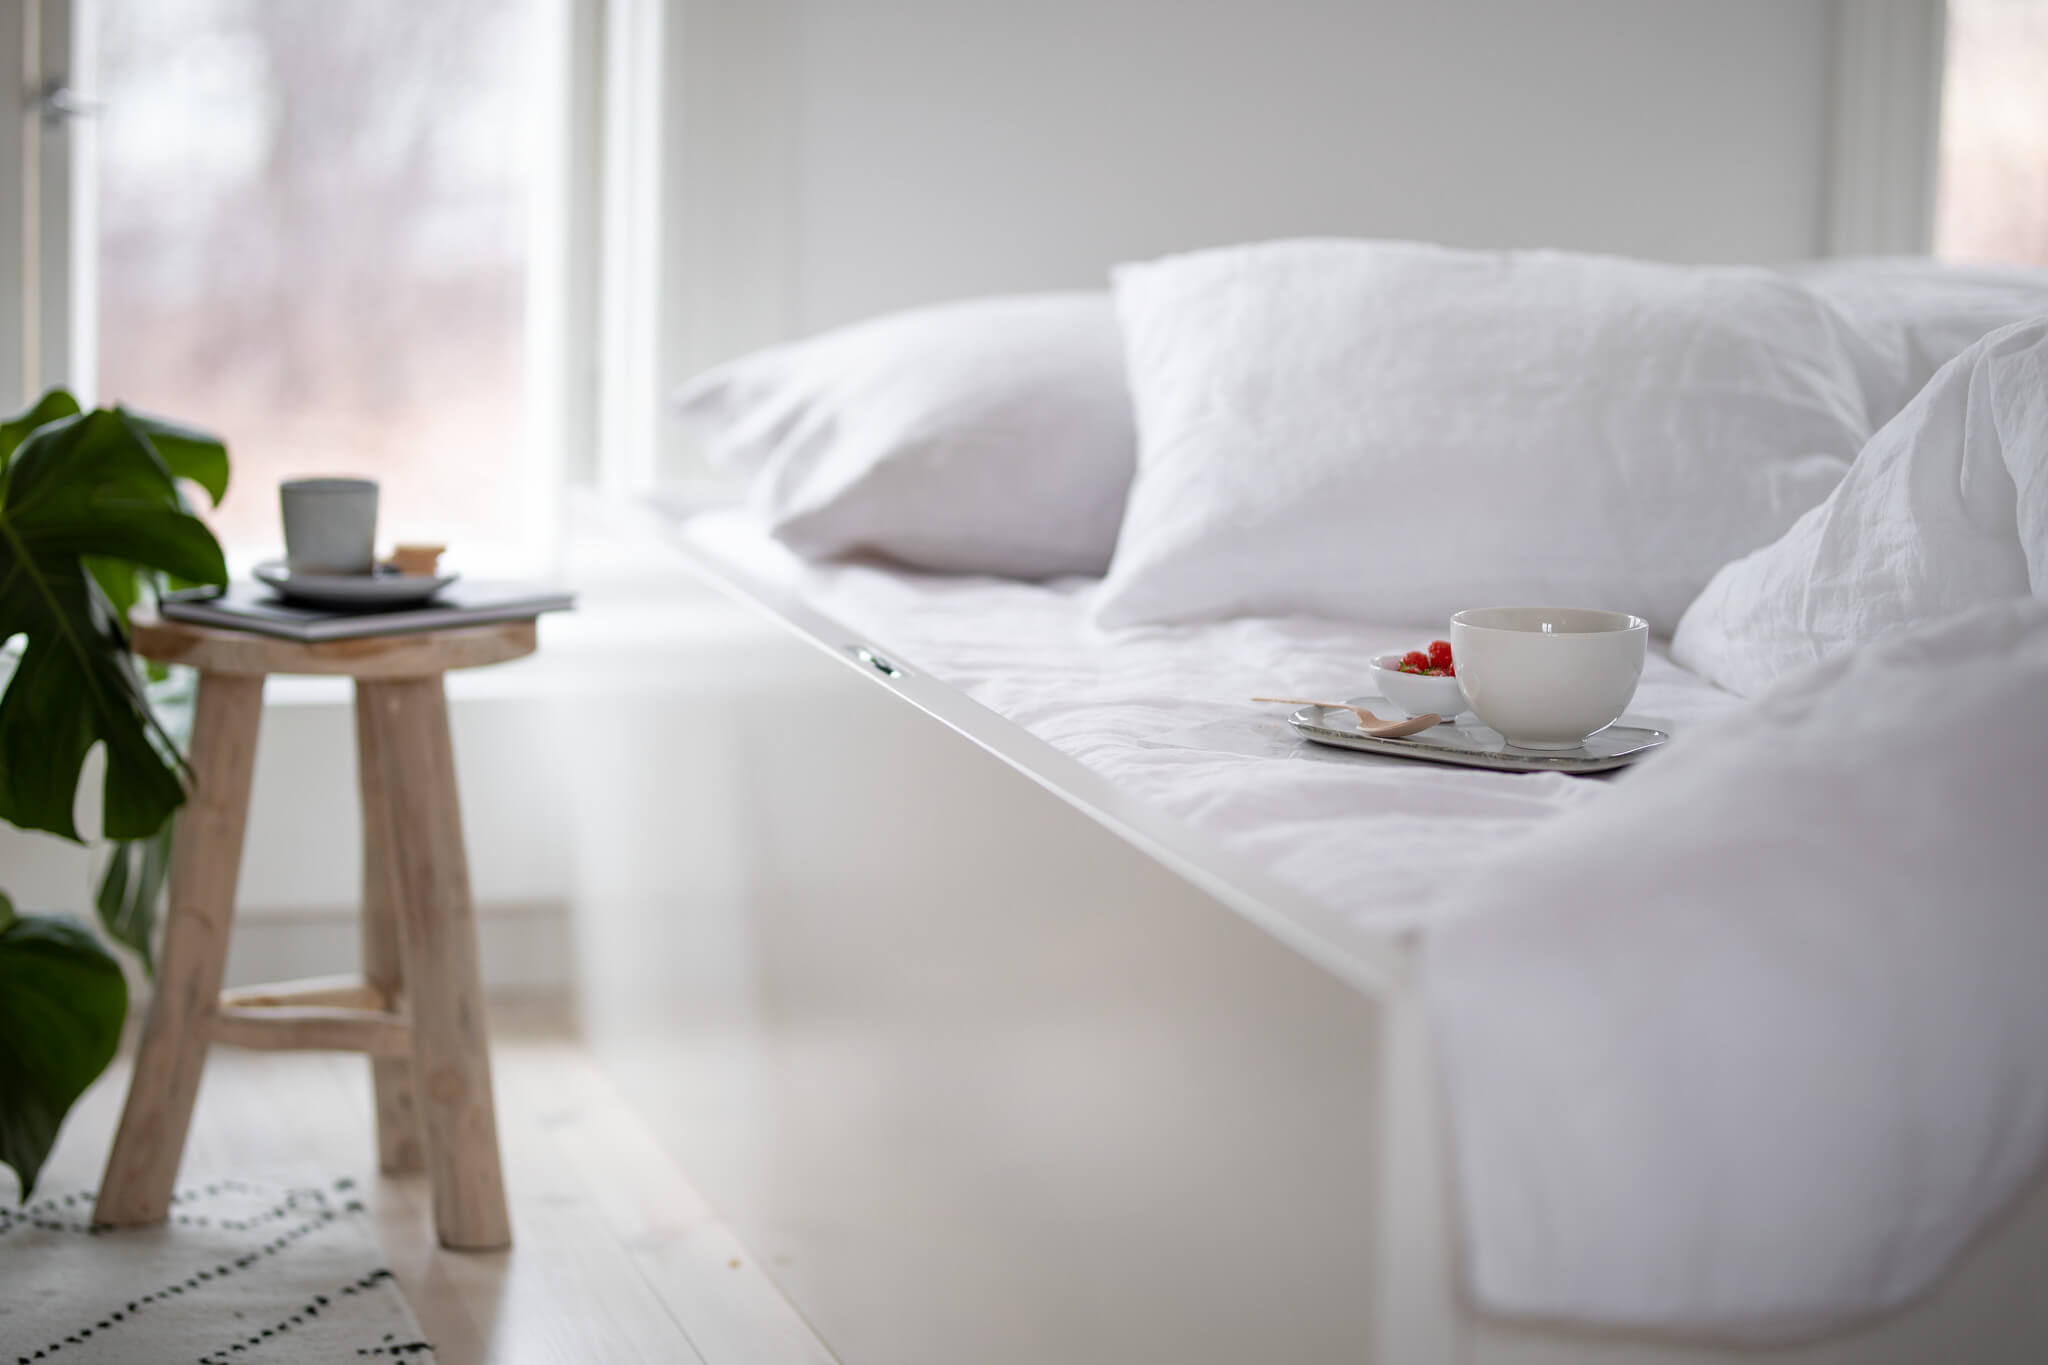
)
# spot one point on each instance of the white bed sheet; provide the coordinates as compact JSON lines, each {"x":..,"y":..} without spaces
{"x":1163,"y":712}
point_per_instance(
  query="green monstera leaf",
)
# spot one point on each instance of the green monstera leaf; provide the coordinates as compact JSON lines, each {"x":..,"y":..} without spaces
{"x":53,"y":406}
{"x":132,"y":883}
{"x":62,"y":1001}
{"x":188,"y":454}
{"x":87,"y":500}
{"x":130,"y":889}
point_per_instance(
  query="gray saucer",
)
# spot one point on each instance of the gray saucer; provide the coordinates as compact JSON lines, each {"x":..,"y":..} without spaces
{"x":385,"y":588}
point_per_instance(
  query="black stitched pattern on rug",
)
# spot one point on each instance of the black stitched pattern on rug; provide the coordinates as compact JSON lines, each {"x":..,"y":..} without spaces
{"x":255,"y":1341}
{"x":50,"y":1215}
{"x":136,"y":1306}
{"x":394,"y":1347}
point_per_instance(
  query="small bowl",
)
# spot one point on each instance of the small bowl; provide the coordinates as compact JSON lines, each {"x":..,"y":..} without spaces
{"x":1548,"y":677}
{"x":1416,"y":693}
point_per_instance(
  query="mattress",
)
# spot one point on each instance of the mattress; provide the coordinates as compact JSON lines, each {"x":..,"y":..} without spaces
{"x":1163,"y":713}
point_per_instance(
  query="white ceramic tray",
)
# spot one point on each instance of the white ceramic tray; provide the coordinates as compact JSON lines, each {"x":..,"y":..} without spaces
{"x":1473,"y":745}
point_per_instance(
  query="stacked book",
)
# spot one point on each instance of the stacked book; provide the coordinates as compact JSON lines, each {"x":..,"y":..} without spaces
{"x":251,"y":606}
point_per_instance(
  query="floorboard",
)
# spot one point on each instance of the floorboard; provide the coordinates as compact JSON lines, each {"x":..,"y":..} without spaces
{"x":616,"y":1258}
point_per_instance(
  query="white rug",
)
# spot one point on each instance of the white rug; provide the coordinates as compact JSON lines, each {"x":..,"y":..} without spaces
{"x":242,"y":1274}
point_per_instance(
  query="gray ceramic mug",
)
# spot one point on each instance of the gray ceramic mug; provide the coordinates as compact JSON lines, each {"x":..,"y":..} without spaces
{"x":330,"y":525}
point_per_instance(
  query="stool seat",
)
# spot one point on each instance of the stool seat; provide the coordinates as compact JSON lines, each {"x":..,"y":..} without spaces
{"x":416,"y":1009}
{"x":417,"y":655}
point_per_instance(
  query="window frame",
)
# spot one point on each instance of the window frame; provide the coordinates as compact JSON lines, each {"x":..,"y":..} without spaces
{"x":48,"y":222}
{"x":1885,"y":126}
{"x":39,"y":193}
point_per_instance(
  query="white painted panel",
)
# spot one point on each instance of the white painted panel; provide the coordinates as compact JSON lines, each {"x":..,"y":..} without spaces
{"x":301,"y":861}
{"x":974,"y":1078}
{"x":523,"y":948}
{"x":15,"y":155}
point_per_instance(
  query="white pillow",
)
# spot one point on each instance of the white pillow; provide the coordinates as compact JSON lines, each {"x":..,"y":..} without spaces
{"x":1394,"y":432}
{"x":1946,"y":507}
{"x":1917,"y":314}
{"x":990,"y":436}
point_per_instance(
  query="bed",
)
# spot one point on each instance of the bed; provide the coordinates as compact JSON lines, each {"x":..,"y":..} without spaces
{"x":980,"y":1056}
{"x":1055,"y":1003}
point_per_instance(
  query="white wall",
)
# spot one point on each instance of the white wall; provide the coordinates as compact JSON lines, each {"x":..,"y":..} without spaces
{"x":302,"y":852}
{"x":836,"y":158}
{"x":826,"y":159}
{"x":612,"y":727}
{"x":952,"y":147}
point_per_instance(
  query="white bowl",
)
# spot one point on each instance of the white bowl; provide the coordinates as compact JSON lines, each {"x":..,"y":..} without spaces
{"x":1416,"y":693}
{"x":1547,"y":677}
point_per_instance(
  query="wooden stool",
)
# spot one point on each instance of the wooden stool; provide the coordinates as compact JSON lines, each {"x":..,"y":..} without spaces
{"x":417,"y":1009}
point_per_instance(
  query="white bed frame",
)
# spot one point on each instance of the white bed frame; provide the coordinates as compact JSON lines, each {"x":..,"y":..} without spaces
{"x":988,"y":1063}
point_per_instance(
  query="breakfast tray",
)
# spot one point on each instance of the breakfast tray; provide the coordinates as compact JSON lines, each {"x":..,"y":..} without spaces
{"x":1473,"y":745}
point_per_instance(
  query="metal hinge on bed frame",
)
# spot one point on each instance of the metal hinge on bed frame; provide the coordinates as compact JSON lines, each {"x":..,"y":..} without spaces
{"x":873,"y":660}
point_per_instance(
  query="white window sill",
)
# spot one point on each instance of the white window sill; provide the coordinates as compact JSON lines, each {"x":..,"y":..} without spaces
{"x":643,"y":620}
{"x":581,"y":651}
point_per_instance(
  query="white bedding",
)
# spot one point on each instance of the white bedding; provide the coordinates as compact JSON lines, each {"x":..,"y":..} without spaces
{"x":1163,"y":712}
{"x":1762,"y":1047}
{"x":1684,"y":1098}
{"x":1614,"y":430}
{"x":1946,"y":508}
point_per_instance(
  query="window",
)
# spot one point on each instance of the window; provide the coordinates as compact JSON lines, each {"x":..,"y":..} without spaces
{"x":313,"y":236}
{"x":1993,"y":199}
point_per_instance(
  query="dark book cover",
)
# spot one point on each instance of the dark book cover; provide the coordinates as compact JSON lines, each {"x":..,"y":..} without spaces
{"x":252,"y":606}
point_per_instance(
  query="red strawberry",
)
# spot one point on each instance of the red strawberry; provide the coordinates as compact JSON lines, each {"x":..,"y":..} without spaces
{"x":1439,"y":653}
{"x":1414,"y":659}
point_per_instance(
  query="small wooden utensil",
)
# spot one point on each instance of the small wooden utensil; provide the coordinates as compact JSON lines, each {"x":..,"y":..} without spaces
{"x":1368,"y":723}
{"x":417,"y":560}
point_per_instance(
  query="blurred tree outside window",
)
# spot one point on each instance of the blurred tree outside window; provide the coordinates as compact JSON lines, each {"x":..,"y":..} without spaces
{"x":1992,"y":203}
{"x":311,"y":237}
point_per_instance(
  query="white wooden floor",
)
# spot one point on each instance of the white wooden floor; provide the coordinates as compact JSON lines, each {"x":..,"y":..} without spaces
{"x":615,"y":1259}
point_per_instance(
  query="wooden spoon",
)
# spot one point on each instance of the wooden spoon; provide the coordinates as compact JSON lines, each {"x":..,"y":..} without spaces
{"x":1367,"y":721}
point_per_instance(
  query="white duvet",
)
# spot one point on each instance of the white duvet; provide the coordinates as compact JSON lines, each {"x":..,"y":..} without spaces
{"x":1944,"y":509}
{"x":1762,"y":1043}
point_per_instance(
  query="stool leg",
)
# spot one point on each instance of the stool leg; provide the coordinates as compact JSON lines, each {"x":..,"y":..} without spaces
{"x":451,"y":1051}
{"x":206,"y":858}
{"x":399,"y":1149}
